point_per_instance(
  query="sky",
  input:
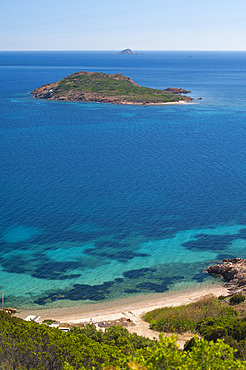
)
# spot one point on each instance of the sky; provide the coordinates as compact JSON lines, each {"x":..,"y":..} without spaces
{"x":120,"y":24}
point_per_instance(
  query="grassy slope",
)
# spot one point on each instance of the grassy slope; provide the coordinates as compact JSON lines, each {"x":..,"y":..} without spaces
{"x":185,"y":318}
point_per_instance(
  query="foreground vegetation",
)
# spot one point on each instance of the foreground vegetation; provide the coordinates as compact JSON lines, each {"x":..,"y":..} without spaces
{"x":102,"y":87}
{"x":27,"y":345}
{"x":212,"y":318}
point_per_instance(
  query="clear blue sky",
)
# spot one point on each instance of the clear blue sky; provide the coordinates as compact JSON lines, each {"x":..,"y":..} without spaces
{"x":115,"y":25}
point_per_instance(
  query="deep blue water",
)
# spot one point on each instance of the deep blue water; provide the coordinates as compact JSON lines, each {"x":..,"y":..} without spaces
{"x":101,"y":201}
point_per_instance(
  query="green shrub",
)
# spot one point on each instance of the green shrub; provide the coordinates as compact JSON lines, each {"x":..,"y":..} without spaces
{"x":116,"y":336}
{"x":203,"y":355}
{"x":185,"y":318}
{"x":36,"y":346}
{"x":189,"y":344}
{"x":237,"y":298}
{"x":231,"y":329}
{"x":222,"y":297}
{"x":28,"y":345}
{"x":49,"y":322}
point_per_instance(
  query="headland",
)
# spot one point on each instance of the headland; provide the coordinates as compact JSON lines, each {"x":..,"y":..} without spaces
{"x":108,"y":88}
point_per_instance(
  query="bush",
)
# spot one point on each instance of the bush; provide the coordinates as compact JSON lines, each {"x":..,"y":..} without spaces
{"x":237,"y":298}
{"x":189,"y":344}
{"x":185,"y":318}
{"x":222,"y":297}
{"x":114,"y":336}
{"x":49,"y":322}
{"x":28,"y":345}
{"x":36,"y":346}
{"x":231,"y":329}
{"x":216,"y":328}
{"x":202,"y":355}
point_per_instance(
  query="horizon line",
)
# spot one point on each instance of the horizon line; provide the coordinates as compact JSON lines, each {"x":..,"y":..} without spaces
{"x":111,"y":50}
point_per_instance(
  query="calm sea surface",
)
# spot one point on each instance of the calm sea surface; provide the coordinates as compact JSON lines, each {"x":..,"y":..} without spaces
{"x":99,"y":201}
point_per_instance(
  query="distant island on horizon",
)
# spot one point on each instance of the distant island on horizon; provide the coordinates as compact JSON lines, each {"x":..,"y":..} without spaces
{"x":108,"y":88}
{"x":127,"y":52}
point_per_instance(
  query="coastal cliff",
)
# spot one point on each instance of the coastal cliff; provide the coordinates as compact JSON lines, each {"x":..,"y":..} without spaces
{"x":107,"y":88}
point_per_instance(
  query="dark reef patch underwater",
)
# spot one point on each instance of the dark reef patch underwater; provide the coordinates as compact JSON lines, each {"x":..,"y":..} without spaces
{"x":102,"y":201}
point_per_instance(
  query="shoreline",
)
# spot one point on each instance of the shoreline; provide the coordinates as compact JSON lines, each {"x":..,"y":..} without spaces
{"x":166,"y":103}
{"x":114,"y":310}
{"x":192,"y":101}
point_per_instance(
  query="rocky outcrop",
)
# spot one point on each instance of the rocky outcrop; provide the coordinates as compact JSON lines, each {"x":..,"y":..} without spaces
{"x":120,"y":76}
{"x":45,"y":92}
{"x":233,"y":272}
{"x":178,"y":91}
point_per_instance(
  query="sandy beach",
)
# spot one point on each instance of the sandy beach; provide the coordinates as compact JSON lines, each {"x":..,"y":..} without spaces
{"x":167,"y":103}
{"x":131,"y":310}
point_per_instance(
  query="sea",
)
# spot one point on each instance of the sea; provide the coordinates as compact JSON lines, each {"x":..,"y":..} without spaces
{"x":101,"y":202}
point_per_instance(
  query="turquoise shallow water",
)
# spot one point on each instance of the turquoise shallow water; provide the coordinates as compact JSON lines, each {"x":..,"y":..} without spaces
{"x":102,"y":202}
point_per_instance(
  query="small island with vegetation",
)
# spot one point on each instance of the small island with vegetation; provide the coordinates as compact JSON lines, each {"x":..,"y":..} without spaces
{"x":108,"y":88}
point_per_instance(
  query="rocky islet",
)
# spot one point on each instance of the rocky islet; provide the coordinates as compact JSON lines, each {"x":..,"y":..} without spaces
{"x":116,"y":88}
